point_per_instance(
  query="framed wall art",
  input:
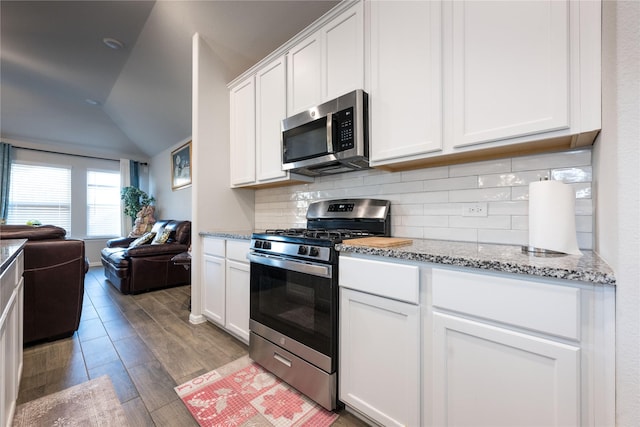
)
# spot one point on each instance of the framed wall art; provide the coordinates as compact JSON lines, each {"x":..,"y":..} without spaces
{"x":181,"y":167}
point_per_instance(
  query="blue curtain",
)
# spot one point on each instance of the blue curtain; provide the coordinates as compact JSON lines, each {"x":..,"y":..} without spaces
{"x":134,"y":172}
{"x":5,"y":174}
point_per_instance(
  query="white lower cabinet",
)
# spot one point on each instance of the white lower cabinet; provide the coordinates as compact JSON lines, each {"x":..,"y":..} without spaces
{"x":11,"y":333}
{"x":492,"y":376}
{"x":226,"y":285}
{"x":379,"y":373}
{"x":237,"y":299}
{"x":214,"y":279}
{"x":422,"y":345}
{"x":379,"y":363}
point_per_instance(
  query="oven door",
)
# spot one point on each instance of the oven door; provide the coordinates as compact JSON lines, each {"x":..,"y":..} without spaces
{"x":294,"y":304}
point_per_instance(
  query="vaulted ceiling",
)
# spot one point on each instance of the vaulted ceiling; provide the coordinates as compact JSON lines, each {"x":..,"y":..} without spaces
{"x":54,"y":65}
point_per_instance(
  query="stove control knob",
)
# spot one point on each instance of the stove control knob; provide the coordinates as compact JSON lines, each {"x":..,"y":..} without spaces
{"x":313,"y":251}
{"x":302,"y":250}
{"x":266,"y":245}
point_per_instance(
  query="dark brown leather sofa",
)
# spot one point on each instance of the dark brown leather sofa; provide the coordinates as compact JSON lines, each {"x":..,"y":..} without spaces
{"x":54,"y":272}
{"x":148,"y":267}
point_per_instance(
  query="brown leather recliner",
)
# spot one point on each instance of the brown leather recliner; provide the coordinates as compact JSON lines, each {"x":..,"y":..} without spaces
{"x":54,"y":272}
{"x":148,"y":267}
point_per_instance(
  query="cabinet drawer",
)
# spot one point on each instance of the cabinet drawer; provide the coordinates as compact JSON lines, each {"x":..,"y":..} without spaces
{"x":551,"y":309}
{"x":213,"y":246}
{"x":237,"y":250}
{"x":390,"y":280}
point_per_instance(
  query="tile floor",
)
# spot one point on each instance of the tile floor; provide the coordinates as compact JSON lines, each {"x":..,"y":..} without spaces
{"x":146,"y":345}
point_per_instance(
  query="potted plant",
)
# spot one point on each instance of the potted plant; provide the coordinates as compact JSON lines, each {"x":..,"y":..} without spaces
{"x":134,"y":200}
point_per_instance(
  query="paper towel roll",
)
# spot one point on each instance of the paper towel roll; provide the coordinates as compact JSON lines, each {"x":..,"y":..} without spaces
{"x":552,"y":217}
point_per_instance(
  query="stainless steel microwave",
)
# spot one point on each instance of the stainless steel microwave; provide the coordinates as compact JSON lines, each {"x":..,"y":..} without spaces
{"x":330,"y":138}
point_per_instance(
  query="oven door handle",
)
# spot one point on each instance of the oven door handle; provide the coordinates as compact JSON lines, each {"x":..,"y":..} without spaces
{"x":298,"y":266}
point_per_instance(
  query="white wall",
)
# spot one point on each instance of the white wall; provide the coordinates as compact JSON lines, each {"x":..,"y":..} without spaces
{"x":215,"y":206}
{"x":617,"y":168}
{"x":170,"y":204}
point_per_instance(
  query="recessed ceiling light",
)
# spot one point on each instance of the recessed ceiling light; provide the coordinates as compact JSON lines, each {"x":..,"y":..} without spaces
{"x":113,"y":43}
{"x":92,"y":101}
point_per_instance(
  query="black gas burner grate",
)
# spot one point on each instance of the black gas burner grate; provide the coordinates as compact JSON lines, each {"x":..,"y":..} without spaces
{"x":320,"y":233}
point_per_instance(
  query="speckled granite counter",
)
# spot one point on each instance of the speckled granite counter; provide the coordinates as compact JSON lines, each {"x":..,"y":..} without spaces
{"x":228,"y":234}
{"x":499,"y":258}
{"x":8,"y":250}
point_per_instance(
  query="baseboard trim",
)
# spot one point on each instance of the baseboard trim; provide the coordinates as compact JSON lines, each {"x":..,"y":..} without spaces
{"x":197,"y":319}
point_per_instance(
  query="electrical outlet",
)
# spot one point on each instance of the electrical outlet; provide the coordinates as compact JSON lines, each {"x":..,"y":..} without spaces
{"x":475,"y":209}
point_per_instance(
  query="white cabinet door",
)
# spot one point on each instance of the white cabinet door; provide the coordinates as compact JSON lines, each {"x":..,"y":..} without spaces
{"x":271,"y":109}
{"x":509,"y":68}
{"x":380,"y":357}
{"x":491,"y":376}
{"x":343,"y":53}
{"x":406,"y":82}
{"x":304,"y":75}
{"x":213,"y":292}
{"x":238,"y":299}
{"x":242,"y":133}
{"x":328,"y":63}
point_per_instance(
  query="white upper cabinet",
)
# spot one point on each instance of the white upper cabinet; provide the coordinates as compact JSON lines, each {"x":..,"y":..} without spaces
{"x":258,"y":106}
{"x":343,"y":53}
{"x":406,"y":78}
{"x":510,"y":69}
{"x":271,"y":109}
{"x":328,"y":63}
{"x":242,"y":132}
{"x":305,"y":65}
{"x":466,"y":80}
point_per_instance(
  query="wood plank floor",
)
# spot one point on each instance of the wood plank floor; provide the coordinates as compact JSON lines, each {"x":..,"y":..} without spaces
{"x":145,"y":344}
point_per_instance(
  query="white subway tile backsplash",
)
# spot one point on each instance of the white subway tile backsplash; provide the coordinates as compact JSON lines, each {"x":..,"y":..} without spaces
{"x":489,"y":222}
{"x":456,"y":234}
{"x":427,"y":197}
{"x":428,"y":203}
{"x":382,"y":178}
{"x":407,"y":209}
{"x":413,"y":232}
{"x":481,"y":195}
{"x":444,"y":208}
{"x":480,"y":168}
{"x":569,"y":175}
{"x":512,"y":179}
{"x":552,"y":160}
{"x":425,"y":221}
{"x":424,"y":174}
{"x":508,"y":208}
{"x":464,"y":182}
{"x":505,"y":237}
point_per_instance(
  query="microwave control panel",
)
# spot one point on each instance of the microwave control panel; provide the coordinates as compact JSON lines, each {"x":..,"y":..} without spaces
{"x":344,"y":129}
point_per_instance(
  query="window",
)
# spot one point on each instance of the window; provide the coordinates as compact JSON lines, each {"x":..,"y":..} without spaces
{"x":40,"y":193}
{"x":103,"y":203}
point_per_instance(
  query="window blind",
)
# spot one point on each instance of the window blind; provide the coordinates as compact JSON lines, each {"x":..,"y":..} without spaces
{"x":103,"y":203}
{"x":40,"y":193}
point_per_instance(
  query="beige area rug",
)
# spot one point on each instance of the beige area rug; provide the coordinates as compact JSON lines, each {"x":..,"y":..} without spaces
{"x":241,"y":393}
{"x":93,"y":403}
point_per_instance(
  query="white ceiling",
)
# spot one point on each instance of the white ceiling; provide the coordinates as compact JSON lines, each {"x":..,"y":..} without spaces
{"x":53,"y":59}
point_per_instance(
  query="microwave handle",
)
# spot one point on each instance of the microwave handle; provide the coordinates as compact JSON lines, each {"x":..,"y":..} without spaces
{"x":329,"y":132}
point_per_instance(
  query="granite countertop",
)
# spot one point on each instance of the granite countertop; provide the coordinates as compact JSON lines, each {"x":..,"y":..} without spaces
{"x":9,"y":248}
{"x":499,"y":258}
{"x":228,"y":234}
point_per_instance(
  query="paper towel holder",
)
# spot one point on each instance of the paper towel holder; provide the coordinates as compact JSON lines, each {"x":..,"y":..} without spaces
{"x":541,"y":252}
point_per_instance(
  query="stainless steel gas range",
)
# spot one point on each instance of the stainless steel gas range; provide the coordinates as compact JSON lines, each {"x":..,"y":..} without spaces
{"x":294,"y":293}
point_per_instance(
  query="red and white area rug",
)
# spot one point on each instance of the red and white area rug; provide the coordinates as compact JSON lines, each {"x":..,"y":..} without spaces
{"x":241,"y":393}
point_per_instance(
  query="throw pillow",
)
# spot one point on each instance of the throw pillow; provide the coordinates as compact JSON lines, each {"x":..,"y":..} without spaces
{"x":161,"y":237}
{"x":146,"y":238}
